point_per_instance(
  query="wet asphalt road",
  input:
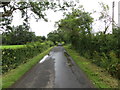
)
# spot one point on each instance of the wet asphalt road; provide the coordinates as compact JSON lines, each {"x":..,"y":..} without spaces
{"x":57,"y":71}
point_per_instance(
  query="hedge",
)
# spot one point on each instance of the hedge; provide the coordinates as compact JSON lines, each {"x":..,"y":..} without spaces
{"x":11,"y":58}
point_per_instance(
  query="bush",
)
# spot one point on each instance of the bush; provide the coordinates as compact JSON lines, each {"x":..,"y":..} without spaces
{"x":108,"y":61}
{"x":114,"y":63}
{"x":11,"y":58}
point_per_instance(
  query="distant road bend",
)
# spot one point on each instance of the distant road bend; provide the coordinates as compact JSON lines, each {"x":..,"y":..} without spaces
{"x":55,"y":71}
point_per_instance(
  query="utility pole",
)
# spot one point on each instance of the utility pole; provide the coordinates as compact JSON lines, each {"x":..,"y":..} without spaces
{"x":119,"y":14}
{"x":113,"y":5}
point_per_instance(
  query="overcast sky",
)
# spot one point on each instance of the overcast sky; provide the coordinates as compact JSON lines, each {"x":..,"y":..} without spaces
{"x":43,"y":28}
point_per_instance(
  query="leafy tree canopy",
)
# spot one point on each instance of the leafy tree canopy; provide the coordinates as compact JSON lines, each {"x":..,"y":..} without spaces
{"x":76,"y":24}
{"x":37,"y":10}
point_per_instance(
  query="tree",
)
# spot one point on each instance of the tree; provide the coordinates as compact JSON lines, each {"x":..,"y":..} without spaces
{"x":18,"y":35}
{"x":43,"y":38}
{"x":105,"y":17}
{"x":37,"y":10}
{"x":77,"y":26}
{"x":40,"y":38}
{"x":54,"y":37}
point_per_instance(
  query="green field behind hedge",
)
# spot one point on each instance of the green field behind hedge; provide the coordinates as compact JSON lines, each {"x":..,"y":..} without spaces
{"x":11,"y":46}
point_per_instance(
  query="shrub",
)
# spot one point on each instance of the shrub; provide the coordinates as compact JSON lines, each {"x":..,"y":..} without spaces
{"x":114,"y":63}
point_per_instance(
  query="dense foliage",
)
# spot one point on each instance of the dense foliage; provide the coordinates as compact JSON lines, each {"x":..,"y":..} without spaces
{"x":101,"y":48}
{"x":13,"y":57}
{"x":54,"y":37}
{"x":20,"y":35}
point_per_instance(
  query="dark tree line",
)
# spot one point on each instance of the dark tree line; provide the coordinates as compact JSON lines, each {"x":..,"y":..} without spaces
{"x":19,"y":36}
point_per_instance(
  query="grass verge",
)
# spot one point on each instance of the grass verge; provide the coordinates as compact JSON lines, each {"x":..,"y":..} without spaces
{"x":99,"y":77}
{"x":12,"y":76}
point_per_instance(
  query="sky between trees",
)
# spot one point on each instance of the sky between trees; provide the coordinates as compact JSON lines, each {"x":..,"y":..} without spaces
{"x":42,"y":28}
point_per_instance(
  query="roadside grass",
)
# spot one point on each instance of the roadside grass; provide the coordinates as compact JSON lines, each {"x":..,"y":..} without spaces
{"x":12,"y":76}
{"x":98,"y":76}
{"x":11,"y":46}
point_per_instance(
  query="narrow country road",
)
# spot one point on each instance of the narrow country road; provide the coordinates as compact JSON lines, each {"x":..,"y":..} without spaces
{"x":55,"y":71}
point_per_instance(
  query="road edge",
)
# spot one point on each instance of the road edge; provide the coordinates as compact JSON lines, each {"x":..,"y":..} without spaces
{"x":76,"y":69}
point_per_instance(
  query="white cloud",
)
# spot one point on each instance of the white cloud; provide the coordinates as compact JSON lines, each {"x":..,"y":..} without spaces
{"x":91,"y":5}
{"x":17,"y":20}
{"x":42,"y":27}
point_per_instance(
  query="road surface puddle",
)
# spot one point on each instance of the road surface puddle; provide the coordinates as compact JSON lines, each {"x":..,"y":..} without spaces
{"x":43,"y":59}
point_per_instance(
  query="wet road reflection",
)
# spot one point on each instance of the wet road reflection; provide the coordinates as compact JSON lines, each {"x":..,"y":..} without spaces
{"x":64,"y":75}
